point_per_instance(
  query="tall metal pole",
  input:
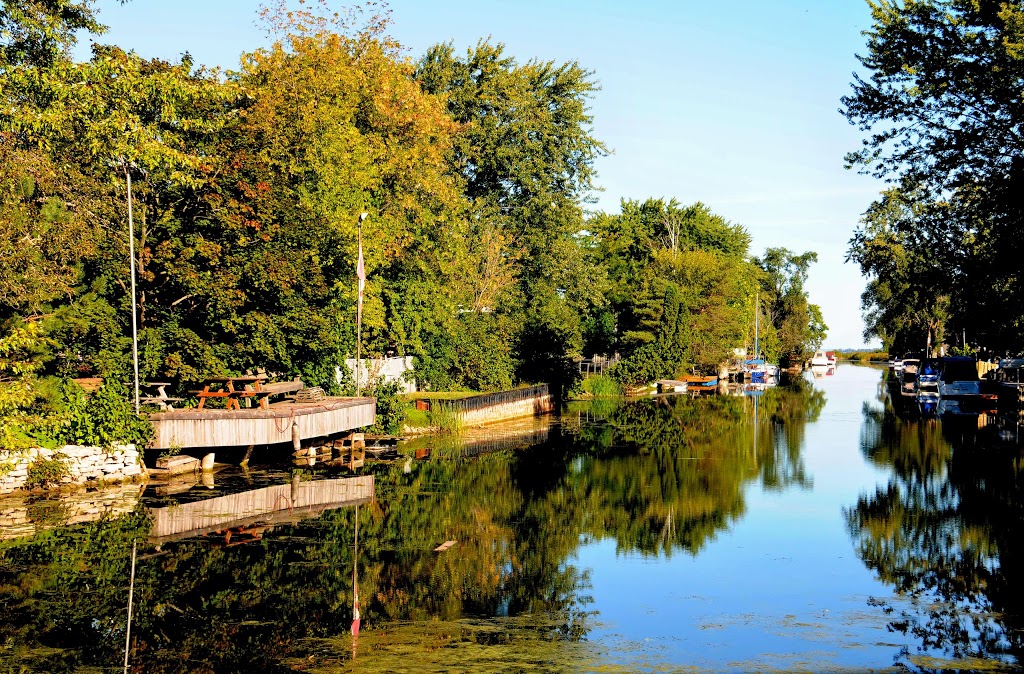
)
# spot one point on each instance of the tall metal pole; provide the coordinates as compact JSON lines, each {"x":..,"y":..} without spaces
{"x":359,"y":310}
{"x":135,"y":323}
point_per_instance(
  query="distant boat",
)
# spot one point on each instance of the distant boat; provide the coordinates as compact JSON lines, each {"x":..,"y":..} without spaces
{"x":697,"y":380}
{"x":819,"y":359}
{"x":907,"y":377}
{"x":831,"y":356}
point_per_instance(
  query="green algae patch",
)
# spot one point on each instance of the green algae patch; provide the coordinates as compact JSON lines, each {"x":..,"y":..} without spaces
{"x":934,"y":664}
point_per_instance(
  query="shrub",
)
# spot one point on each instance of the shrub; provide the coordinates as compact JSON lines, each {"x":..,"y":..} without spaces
{"x":106,"y":418}
{"x":602,"y":386}
{"x":390,"y":408}
{"x":45,"y":472}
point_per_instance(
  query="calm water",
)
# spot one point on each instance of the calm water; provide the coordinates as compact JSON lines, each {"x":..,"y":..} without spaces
{"x":818,"y":527}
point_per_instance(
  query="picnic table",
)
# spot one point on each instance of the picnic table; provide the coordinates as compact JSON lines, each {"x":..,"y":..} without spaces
{"x":233,"y":389}
{"x":156,"y":394}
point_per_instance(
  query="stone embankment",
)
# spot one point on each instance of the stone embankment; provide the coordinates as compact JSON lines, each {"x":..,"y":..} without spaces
{"x":71,"y":465}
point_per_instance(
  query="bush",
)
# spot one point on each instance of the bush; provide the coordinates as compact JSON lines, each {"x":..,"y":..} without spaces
{"x":390,"y":409}
{"x":602,"y":386}
{"x":45,"y":472}
{"x":106,"y":418}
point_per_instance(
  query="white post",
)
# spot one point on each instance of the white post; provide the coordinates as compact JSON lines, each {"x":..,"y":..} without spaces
{"x":135,"y":323}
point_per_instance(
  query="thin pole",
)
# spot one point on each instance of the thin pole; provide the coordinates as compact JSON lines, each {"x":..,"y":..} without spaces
{"x":131,"y":593}
{"x":359,"y":317}
{"x":135,"y":324}
{"x":755,"y":325}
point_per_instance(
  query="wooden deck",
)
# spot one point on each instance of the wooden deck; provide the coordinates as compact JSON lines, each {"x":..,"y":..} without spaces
{"x":245,"y":427}
{"x":270,"y":506}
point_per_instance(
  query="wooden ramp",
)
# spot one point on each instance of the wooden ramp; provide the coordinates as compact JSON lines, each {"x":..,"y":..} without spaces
{"x":271,"y":506}
{"x":278,"y":424}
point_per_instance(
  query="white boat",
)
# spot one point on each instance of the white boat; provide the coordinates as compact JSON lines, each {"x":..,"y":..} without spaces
{"x":959,"y":377}
{"x":831,"y":355}
{"x":819,"y":359}
{"x":907,"y":377}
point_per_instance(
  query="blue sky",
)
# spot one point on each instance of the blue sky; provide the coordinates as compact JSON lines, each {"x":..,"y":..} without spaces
{"x":732,"y":104}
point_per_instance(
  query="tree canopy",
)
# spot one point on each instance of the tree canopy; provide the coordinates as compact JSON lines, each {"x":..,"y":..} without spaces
{"x":940,"y":104}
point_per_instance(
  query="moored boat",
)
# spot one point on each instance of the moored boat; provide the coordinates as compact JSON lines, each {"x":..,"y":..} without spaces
{"x":819,"y":359}
{"x":958,"y":376}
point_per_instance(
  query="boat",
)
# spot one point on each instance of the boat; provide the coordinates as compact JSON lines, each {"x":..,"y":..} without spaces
{"x":819,"y":359}
{"x":696,"y":380}
{"x":907,"y":377}
{"x":756,"y":370}
{"x":927,"y":380}
{"x":831,"y":356}
{"x":1009,"y":379}
{"x":958,"y":376}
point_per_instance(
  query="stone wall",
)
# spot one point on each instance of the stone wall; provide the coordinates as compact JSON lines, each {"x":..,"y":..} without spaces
{"x":25,"y":515}
{"x":84,"y":466}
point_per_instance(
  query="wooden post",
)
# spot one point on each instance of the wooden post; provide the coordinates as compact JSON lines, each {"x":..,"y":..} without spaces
{"x":248,"y":453}
{"x":296,"y":437}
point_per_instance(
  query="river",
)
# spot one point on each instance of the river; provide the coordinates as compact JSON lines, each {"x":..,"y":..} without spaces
{"x":820,"y":526}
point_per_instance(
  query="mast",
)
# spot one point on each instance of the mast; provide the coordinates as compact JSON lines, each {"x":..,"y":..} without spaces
{"x":756,"y":351}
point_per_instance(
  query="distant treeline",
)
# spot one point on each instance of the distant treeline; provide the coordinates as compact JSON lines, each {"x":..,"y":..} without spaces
{"x":247,"y":187}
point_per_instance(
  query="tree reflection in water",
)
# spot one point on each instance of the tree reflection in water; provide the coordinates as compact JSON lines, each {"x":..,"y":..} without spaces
{"x":656,"y":476}
{"x":945,"y":533}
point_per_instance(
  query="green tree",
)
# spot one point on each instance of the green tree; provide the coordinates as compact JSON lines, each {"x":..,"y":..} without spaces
{"x":795,"y":326}
{"x":941,"y":107}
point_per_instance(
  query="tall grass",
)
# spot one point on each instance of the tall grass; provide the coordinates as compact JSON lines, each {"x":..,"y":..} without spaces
{"x":602,"y":386}
{"x":446,"y":418}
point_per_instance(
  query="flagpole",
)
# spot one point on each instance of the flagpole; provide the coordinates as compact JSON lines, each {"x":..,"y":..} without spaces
{"x":360,"y":281}
{"x":135,"y":311}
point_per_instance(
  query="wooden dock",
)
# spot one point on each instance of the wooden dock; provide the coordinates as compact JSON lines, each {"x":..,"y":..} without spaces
{"x":268,"y":507}
{"x":281,"y":423}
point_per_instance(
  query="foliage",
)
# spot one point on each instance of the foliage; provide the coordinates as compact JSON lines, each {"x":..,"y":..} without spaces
{"x":794,"y":327}
{"x":940,"y":108}
{"x":680,"y":287}
{"x":104,"y":418}
{"x":390,"y":409}
{"x":445,"y":417}
{"x":246,"y":190}
{"x":46,"y":472}
{"x":602,"y":386}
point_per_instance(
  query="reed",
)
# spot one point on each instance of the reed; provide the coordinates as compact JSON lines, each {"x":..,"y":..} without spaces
{"x":446,"y":418}
{"x":602,"y":386}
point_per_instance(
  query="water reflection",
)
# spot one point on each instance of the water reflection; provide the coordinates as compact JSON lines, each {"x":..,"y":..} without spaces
{"x":945,"y":532}
{"x":658,"y":477}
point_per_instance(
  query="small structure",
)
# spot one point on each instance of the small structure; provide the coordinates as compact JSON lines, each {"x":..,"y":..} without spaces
{"x":287,"y":422}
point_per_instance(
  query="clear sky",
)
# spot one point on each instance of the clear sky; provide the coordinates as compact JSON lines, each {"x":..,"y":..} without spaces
{"x":732,"y":104}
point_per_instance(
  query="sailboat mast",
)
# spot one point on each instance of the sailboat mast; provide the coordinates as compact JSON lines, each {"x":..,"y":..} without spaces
{"x":756,"y":351}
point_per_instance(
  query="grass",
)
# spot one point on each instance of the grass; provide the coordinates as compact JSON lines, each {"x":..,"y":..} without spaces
{"x":602,"y":386}
{"x":445,"y":418}
{"x":865,"y":356}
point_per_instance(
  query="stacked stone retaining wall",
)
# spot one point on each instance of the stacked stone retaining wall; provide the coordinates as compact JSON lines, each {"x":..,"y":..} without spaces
{"x":82,"y":466}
